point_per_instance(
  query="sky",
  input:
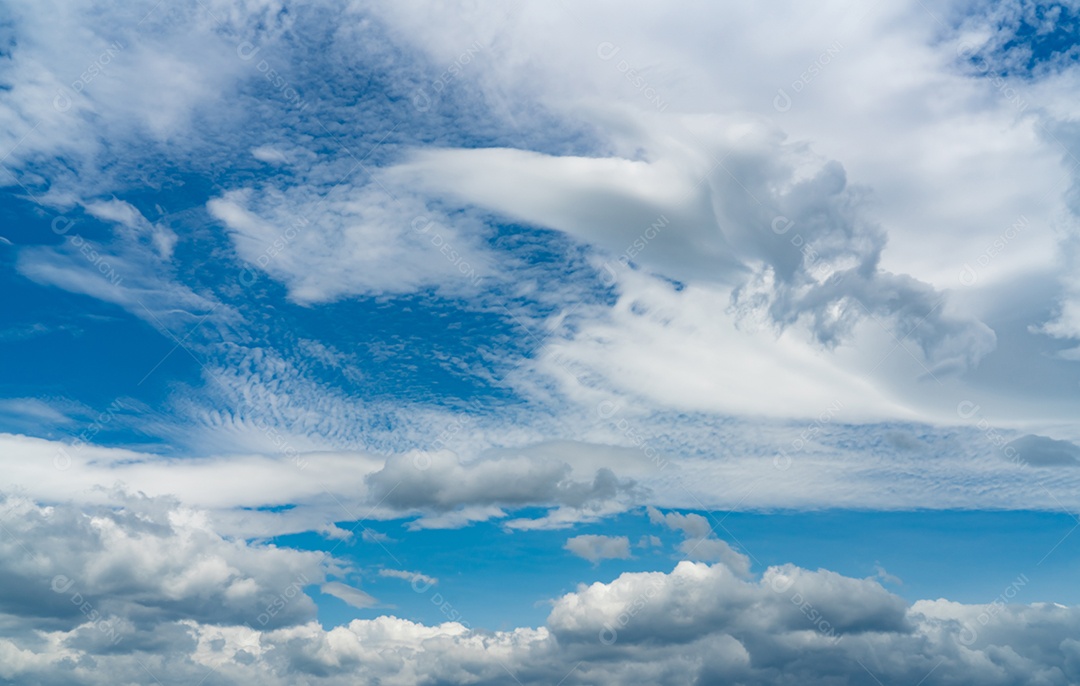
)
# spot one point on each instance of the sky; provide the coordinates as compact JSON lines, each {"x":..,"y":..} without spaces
{"x":526,"y":343}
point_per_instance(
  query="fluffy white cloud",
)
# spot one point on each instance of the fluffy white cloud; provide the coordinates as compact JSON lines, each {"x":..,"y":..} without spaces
{"x":441,"y":482}
{"x":940,"y":165}
{"x":798,"y":232}
{"x":868,"y":180}
{"x":698,"y":622}
{"x":328,"y":242}
{"x":141,"y":562}
{"x":700,"y":542}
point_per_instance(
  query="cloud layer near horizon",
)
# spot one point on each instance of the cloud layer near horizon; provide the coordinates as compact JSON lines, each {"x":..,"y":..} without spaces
{"x":92,"y":625}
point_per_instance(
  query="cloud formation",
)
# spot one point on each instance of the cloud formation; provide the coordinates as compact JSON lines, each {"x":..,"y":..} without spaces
{"x":696,"y":622}
{"x":721,"y":256}
{"x":700,"y":541}
{"x":595,"y":548}
{"x":143,"y":562}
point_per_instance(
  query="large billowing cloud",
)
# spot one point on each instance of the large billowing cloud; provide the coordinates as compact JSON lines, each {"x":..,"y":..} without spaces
{"x":143,"y":562}
{"x":115,"y":615}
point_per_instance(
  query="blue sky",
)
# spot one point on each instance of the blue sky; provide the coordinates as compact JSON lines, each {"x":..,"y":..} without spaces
{"x":427,"y":343}
{"x":930,"y":554}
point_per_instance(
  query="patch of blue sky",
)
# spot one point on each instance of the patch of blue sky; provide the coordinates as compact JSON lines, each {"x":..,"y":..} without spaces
{"x":944,"y":553}
{"x":1030,"y":39}
{"x":74,"y":348}
{"x":1046,"y":34}
{"x":497,"y":579}
{"x":414,"y":347}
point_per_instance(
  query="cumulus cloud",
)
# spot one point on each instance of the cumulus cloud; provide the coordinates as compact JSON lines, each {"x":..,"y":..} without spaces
{"x":1042,"y":451}
{"x":595,"y":548}
{"x":145,"y":561}
{"x":700,"y":542}
{"x":696,"y":623}
{"x":693,"y":525}
{"x":441,"y":482}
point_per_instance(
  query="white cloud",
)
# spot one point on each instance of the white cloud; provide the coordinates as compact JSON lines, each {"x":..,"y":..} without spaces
{"x":800,"y":466}
{"x":649,"y":542}
{"x":700,"y":542}
{"x":935,"y":160}
{"x":595,"y":548}
{"x":323,"y":487}
{"x":696,"y":623}
{"x":133,"y":270}
{"x":971,"y":162}
{"x":693,"y":525}
{"x":812,"y":252}
{"x":146,"y":560}
{"x":269,"y":154}
{"x":353,"y":596}
{"x":951,"y":163}
{"x":441,"y":482}
{"x":411,"y":577}
{"x":326,"y":242}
